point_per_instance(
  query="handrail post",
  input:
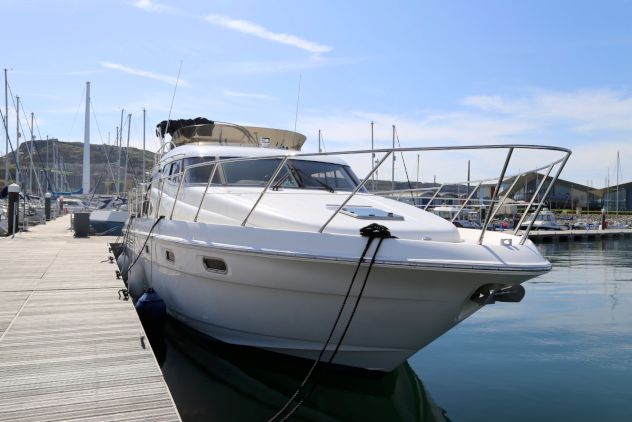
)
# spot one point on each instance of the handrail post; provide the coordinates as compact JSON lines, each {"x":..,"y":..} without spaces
{"x":546,"y":194}
{"x":210,"y":179}
{"x":434,"y":196}
{"x":466,"y":201}
{"x":162,"y":186}
{"x":274,"y":175}
{"x":502,"y":201}
{"x":175,"y":200}
{"x":488,"y":218}
{"x":360,"y":185}
{"x":533,"y":198}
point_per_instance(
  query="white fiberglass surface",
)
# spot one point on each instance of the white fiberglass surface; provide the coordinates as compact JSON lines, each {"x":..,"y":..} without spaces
{"x":303,"y":210}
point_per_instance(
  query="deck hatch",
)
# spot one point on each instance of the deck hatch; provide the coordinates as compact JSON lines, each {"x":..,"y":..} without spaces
{"x":369,"y":213}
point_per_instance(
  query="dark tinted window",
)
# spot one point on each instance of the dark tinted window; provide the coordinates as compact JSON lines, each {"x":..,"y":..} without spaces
{"x":250,"y":172}
{"x":319,"y":175}
{"x":202,"y":173}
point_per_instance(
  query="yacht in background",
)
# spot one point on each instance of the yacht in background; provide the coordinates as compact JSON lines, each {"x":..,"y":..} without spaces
{"x":545,"y":220}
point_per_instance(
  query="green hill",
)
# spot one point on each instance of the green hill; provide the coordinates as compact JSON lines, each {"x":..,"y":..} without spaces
{"x":60,"y":165}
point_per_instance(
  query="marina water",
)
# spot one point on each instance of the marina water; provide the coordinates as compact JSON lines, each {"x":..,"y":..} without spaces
{"x":563,"y":353}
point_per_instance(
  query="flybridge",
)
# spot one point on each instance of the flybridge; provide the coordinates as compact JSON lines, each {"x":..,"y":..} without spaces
{"x":201,"y":130}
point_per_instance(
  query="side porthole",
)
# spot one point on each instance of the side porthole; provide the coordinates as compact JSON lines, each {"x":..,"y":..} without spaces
{"x":170,"y":256}
{"x":215,"y":265}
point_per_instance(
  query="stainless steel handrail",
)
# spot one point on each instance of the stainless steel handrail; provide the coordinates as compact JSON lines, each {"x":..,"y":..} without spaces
{"x":546,"y":194}
{"x":488,"y":218}
{"x":387,"y":152}
{"x":533,"y":198}
{"x":210,"y":180}
{"x":467,"y":201}
{"x":265,"y":189}
{"x":360,"y":186}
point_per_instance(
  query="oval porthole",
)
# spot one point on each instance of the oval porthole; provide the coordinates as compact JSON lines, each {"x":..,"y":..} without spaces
{"x":215,"y":265}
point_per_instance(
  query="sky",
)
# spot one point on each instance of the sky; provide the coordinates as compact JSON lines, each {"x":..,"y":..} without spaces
{"x":443,"y":72}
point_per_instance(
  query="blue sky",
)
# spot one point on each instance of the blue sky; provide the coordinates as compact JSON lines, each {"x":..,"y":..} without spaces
{"x":444,"y":72}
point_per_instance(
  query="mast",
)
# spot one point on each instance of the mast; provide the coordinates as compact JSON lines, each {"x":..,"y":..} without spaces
{"x":618,"y":164}
{"x":393,"y":175}
{"x":17,"y":141}
{"x":86,"y":145}
{"x":119,"y":143}
{"x":144,"y":113}
{"x":32,"y":169}
{"x":129,"y":125}
{"x":6,"y":129}
{"x":372,"y":158}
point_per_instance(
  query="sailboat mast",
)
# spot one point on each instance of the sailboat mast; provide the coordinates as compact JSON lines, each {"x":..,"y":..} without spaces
{"x":119,"y":143}
{"x":143,"y":145}
{"x":17,"y":141}
{"x":618,"y":164}
{"x":32,"y":169}
{"x":86,"y":145}
{"x":129,"y":125}
{"x":372,"y":156}
{"x":6,"y":129}
{"x":393,"y":171}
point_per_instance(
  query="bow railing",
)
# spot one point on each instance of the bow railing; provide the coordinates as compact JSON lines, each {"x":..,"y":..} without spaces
{"x":502,"y":186}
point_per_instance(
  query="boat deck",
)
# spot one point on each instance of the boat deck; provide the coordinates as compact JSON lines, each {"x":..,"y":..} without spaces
{"x":69,"y":348}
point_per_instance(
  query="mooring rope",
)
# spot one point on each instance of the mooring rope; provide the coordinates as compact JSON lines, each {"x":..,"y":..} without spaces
{"x":142,"y":249}
{"x":372,"y":231}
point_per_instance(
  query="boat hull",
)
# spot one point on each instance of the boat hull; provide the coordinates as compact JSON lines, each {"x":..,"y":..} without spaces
{"x":288,"y":302}
{"x":108,"y":222}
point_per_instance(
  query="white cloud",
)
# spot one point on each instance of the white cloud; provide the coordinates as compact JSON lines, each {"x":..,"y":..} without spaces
{"x":144,"y":73}
{"x":257,"y":30}
{"x":586,"y":110}
{"x":240,"y":25}
{"x":595,"y":124}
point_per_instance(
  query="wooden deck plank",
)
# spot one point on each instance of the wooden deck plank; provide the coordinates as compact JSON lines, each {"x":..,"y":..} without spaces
{"x":69,"y":348}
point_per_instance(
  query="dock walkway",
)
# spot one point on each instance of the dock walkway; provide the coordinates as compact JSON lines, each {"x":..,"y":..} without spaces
{"x":69,"y":348}
{"x":571,"y":235}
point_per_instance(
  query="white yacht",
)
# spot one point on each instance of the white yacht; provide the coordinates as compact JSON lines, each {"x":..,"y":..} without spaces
{"x":251,"y":242}
{"x":544,"y":220}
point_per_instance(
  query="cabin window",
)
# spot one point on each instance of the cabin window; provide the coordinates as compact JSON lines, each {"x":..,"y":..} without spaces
{"x":174,"y":172}
{"x":319,"y":175}
{"x":200,"y":175}
{"x":250,"y":172}
{"x":170,"y":256}
{"x":215,"y":265}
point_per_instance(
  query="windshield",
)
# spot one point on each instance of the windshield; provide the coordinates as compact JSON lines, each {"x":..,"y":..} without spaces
{"x":319,"y":175}
{"x":298,"y":174}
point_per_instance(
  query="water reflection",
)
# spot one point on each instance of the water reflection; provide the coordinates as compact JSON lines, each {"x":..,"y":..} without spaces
{"x":216,"y":381}
{"x":563,"y":353}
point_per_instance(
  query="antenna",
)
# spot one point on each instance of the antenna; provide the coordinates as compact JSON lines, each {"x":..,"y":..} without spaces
{"x":298,"y":97}
{"x":173,"y":97}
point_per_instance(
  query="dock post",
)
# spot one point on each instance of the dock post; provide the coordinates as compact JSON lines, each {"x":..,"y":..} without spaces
{"x":14,"y":209}
{"x":47,"y":197}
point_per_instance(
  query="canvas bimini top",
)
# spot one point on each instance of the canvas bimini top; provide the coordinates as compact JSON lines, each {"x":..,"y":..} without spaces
{"x":204,"y":131}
